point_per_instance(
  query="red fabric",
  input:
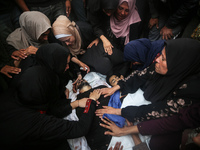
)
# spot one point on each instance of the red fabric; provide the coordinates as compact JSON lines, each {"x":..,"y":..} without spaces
{"x":87,"y":107}
{"x":42,"y":112}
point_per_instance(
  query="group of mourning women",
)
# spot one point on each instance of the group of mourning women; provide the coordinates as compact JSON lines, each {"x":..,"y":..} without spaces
{"x":49,"y":54}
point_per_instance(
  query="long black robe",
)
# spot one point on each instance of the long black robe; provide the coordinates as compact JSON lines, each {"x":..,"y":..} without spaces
{"x":95,"y":137}
{"x":30,"y":114}
{"x":168,"y":93}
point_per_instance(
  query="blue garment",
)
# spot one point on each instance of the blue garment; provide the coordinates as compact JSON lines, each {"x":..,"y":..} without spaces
{"x":116,"y":103}
{"x":143,"y":51}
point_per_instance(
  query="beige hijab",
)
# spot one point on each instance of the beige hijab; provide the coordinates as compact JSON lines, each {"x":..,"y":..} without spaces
{"x":63,"y":25}
{"x":32,"y":25}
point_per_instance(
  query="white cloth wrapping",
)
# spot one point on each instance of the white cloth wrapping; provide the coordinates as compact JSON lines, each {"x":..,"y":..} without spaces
{"x":94,"y":79}
{"x":77,"y":143}
{"x":135,"y":99}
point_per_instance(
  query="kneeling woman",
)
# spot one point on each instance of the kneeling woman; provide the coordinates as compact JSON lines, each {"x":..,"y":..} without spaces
{"x":32,"y":114}
{"x":171,"y":85}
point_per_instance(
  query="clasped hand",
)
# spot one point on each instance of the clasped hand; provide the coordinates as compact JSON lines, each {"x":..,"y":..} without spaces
{"x":23,"y":53}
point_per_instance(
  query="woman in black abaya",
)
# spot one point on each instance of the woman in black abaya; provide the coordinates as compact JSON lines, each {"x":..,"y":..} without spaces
{"x":31,"y":116}
{"x":170,"y":91}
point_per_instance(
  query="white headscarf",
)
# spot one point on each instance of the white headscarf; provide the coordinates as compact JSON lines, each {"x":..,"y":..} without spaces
{"x":32,"y":25}
{"x":63,"y":27}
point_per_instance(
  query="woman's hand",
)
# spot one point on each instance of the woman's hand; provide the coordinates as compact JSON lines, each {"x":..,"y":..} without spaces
{"x":9,"y":69}
{"x":153,"y":22}
{"x":68,"y":7}
{"x":95,"y":94}
{"x":79,"y":103}
{"x":74,"y":84}
{"x":19,"y":54}
{"x":110,"y":125}
{"x":109,"y":91}
{"x":95,"y":42}
{"x":166,"y":33}
{"x":67,"y":93}
{"x":81,"y":64}
{"x":116,"y":131}
{"x":84,"y":67}
{"x":31,"y":50}
{"x":107,"y":45}
{"x":82,"y":102}
{"x":108,"y":110}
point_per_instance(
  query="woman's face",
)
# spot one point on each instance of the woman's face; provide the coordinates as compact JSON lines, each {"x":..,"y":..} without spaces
{"x":122,"y":11}
{"x":70,"y":40}
{"x":161,"y":63}
{"x":44,"y":36}
{"x":68,"y":60}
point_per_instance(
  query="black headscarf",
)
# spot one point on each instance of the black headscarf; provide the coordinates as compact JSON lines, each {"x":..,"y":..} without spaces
{"x":183,"y":62}
{"x":53,"y":56}
{"x":39,"y":84}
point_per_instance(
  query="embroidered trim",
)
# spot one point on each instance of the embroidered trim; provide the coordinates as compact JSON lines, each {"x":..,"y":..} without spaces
{"x":87,"y":107}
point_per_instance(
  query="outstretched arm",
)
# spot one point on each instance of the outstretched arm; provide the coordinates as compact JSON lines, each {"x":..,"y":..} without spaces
{"x":115,"y":130}
{"x":68,"y":7}
{"x":22,"y":5}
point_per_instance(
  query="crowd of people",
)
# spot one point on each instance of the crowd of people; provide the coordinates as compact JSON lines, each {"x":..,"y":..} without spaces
{"x":135,"y":44}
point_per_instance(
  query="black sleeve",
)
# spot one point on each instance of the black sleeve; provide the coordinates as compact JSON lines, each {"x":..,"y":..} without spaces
{"x":186,"y":118}
{"x":183,"y":12}
{"x":156,"y":110}
{"x":134,"y":81}
{"x":11,"y":49}
{"x":5,"y":56}
{"x":74,"y":69}
{"x":134,"y":31}
{"x":96,"y":22}
{"x":153,"y":10}
{"x":51,"y":128}
{"x":64,"y":108}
